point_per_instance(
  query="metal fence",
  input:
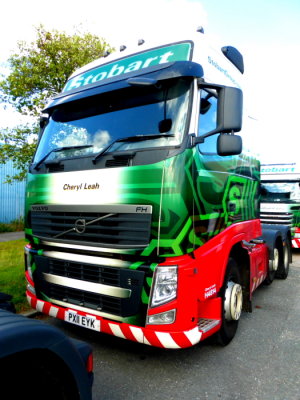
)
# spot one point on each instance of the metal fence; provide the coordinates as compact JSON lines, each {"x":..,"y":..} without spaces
{"x":12,"y":196}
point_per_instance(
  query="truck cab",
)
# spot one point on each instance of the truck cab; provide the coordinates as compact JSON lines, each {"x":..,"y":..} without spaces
{"x":142,"y":205}
{"x":280,"y":197}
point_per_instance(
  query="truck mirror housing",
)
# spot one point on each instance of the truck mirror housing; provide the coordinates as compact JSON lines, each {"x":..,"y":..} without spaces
{"x":230,"y":110}
{"x":229,"y":117}
{"x":229,"y":145}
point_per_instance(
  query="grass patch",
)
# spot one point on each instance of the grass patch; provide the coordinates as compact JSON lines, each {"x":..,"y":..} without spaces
{"x":12,"y":278}
{"x":14,"y":226}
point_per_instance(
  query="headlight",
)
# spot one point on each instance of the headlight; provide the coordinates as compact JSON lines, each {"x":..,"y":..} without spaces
{"x":165,"y":285}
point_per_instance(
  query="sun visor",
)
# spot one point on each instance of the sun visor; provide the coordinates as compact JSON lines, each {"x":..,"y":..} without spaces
{"x":162,"y":72}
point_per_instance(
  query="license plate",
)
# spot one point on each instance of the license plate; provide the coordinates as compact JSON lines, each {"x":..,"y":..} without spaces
{"x":87,"y":321}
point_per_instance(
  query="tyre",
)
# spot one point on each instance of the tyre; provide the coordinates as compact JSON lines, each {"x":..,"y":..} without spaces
{"x":232,"y":302}
{"x":284,"y":263}
{"x":273,"y":266}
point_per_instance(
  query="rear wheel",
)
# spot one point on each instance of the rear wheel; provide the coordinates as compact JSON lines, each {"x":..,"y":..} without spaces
{"x":273,"y":266}
{"x":284,"y":264}
{"x":232,"y":302}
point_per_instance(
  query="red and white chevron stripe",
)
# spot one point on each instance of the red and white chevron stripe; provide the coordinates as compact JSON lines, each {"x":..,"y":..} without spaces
{"x":296,"y":243}
{"x":258,"y":281}
{"x":168,"y":340}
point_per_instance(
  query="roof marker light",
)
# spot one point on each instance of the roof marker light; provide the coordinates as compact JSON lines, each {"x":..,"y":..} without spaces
{"x":123,"y":47}
{"x":200,"y":29}
{"x":140,"y":42}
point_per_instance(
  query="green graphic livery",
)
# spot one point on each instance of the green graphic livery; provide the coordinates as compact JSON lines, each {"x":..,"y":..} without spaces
{"x":173,"y":187}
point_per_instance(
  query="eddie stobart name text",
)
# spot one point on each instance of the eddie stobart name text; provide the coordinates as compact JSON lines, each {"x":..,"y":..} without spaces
{"x":82,"y":186}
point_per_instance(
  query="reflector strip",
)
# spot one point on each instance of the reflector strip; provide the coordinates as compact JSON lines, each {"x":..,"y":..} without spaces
{"x":166,"y":340}
{"x":258,"y":282}
{"x":296,"y":243}
{"x":138,"y":334}
{"x":53,"y":311}
{"x":172,"y":340}
{"x":116,"y":330}
{"x":39,"y":305}
{"x":193,"y":335}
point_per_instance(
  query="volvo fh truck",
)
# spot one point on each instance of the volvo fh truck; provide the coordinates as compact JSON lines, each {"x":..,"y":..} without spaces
{"x":142,"y":204}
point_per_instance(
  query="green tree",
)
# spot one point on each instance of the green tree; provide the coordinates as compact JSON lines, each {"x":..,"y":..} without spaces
{"x":38,"y":71}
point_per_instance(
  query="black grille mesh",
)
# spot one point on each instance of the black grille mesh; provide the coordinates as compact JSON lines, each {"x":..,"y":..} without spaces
{"x":122,"y":229}
{"x":90,"y":300}
{"x":276,"y":218}
{"x":85,"y":272}
{"x":111,"y":276}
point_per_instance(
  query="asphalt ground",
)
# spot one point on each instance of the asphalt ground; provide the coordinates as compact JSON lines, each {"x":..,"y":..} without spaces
{"x":261,"y":363}
{"x":8,"y":236}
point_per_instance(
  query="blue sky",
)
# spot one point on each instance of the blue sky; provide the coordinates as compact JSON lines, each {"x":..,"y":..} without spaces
{"x":257,"y":21}
{"x":267,"y":32}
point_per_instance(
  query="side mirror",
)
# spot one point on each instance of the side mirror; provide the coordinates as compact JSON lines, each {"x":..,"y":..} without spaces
{"x":230,"y":110}
{"x":229,"y":145}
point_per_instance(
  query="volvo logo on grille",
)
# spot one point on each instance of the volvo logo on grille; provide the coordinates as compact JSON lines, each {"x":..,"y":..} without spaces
{"x":80,"y":225}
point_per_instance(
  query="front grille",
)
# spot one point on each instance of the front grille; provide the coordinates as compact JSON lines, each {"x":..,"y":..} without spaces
{"x":86,"y":272}
{"x":277,"y":218}
{"x":106,"y":229}
{"x":94,"y":301}
{"x":109,"y":277}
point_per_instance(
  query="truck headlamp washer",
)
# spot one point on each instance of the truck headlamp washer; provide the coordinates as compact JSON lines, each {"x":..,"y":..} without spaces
{"x":233,"y":301}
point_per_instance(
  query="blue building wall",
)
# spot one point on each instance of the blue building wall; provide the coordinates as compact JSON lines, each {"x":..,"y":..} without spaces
{"x":12,"y":196}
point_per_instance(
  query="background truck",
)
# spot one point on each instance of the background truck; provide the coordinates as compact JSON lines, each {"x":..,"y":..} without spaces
{"x":280,"y":197}
{"x":37,"y":361}
{"x":142,"y":209}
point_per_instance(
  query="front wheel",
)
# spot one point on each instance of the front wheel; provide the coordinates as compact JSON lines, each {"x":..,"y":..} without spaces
{"x":232,"y":302}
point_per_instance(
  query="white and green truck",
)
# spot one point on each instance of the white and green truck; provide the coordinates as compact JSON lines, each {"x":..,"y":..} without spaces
{"x":142,"y":202}
{"x":280,"y":197}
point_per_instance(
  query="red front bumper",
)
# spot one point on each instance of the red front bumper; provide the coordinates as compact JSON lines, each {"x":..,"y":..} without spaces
{"x":168,"y":340}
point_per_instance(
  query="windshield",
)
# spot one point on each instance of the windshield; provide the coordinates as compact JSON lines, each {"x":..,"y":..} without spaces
{"x":280,"y":191}
{"x":99,"y":121}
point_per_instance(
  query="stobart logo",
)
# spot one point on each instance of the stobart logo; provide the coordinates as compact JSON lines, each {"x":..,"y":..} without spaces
{"x":162,"y":55}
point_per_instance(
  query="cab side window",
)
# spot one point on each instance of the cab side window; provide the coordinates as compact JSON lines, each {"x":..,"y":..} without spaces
{"x":208,"y":122}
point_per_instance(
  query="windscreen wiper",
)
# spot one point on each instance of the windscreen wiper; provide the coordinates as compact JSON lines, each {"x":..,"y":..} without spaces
{"x":60,"y":149}
{"x":136,"y":138}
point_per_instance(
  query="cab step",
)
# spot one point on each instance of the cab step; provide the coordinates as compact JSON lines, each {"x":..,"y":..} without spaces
{"x":205,"y":324}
